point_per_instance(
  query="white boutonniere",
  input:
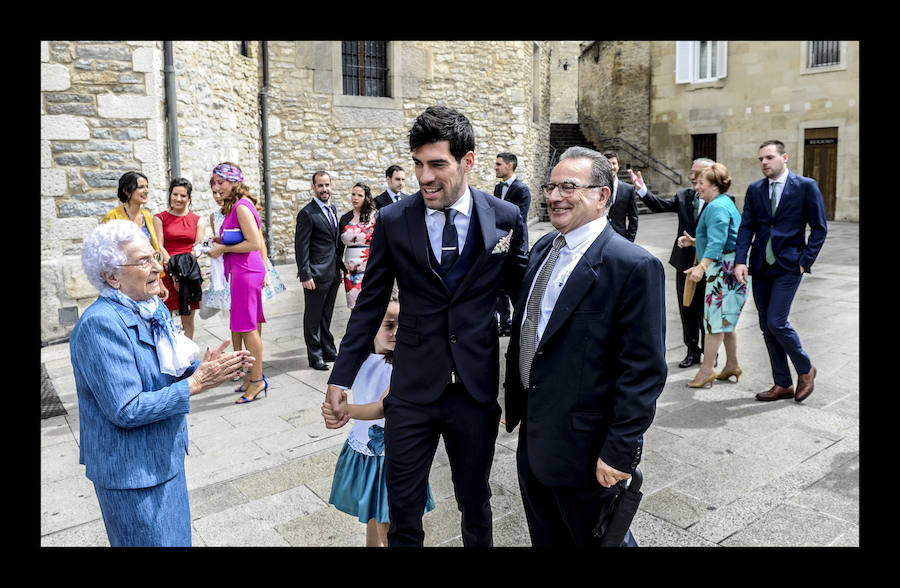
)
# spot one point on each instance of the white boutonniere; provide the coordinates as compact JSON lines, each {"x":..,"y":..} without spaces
{"x":502,"y":245}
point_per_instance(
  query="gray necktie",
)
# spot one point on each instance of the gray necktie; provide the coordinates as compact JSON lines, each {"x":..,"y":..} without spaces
{"x":528,"y":342}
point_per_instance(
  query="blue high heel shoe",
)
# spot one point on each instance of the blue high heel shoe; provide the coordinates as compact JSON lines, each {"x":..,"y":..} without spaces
{"x":244,"y":400}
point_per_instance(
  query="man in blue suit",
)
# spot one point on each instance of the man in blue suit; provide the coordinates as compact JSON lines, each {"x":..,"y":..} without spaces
{"x":450,"y":248}
{"x":586,"y":359}
{"x":777,"y":211}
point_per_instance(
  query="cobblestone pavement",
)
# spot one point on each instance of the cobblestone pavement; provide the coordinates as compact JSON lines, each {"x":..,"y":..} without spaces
{"x":720,"y":468}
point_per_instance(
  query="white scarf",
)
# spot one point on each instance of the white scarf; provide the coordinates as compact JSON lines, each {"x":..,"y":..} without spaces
{"x":173,"y":349}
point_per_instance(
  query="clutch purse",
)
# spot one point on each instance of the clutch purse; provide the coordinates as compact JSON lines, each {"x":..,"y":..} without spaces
{"x":232,"y":236}
{"x":689,"y":288}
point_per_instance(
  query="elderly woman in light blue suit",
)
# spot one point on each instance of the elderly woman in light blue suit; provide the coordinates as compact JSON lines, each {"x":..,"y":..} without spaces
{"x":724,"y":295}
{"x":134,"y":375}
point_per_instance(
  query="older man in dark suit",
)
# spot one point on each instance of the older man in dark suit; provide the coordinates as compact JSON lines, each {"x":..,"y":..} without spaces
{"x":319,"y":268}
{"x":777,"y":211}
{"x":688,"y":206}
{"x":449,"y":247}
{"x":622,"y":210}
{"x":586,"y":360}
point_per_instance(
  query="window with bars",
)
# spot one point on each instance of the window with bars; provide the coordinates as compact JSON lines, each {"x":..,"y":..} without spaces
{"x":824,"y":53}
{"x":364,"y":66}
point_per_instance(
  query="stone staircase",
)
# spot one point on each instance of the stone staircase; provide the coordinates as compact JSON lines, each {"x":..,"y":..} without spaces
{"x":565,"y":135}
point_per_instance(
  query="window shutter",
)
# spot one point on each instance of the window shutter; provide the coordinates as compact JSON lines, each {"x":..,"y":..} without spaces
{"x":721,"y":59}
{"x":683,"y":61}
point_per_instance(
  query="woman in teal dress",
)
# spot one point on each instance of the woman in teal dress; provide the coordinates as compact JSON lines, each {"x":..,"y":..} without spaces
{"x":724,"y":294}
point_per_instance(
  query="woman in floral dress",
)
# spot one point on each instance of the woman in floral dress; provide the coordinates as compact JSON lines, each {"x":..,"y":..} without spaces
{"x":356,"y":229}
{"x":724,"y":294}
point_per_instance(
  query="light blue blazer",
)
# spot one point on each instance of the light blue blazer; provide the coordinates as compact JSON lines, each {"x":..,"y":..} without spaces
{"x":132,"y":416}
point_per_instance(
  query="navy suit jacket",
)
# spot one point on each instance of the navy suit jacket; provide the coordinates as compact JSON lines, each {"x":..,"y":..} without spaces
{"x":133,"y":428}
{"x":437,"y":328}
{"x":316,"y":245}
{"x":801,"y":205}
{"x":518,"y":194}
{"x":599,"y":366}
{"x":623,"y":214}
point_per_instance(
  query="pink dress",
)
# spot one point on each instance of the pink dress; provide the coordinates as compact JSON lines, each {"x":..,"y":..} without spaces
{"x":246,"y":274}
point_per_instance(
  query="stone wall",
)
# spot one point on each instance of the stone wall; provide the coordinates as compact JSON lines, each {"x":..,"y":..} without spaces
{"x":103,"y":113}
{"x":101,"y":107}
{"x":767,"y":94}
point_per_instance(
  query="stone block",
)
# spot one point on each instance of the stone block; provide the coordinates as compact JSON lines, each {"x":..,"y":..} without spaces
{"x":64,"y":127}
{"x":53,"y":182}
{"x":74,"y":279}
{"x":115,"y":106}
{"x":55,"y":77}
{"x":142,"y":60}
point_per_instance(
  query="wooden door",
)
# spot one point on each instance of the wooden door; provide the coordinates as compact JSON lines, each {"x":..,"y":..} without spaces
{"x":820,"y":163}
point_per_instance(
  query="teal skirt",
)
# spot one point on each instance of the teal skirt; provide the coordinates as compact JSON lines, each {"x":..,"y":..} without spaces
{"x":725,"y":296}
{"x":359,"y":488}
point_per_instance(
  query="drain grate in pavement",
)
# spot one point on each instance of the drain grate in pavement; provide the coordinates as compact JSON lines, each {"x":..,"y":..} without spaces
{"x":50,"y":403}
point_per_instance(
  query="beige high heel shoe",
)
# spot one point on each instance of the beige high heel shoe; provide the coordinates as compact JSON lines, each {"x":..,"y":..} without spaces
{"x":736,"y":372}
{"x":695,"y":384}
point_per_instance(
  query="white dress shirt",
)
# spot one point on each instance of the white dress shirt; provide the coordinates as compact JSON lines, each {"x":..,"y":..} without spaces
{"x":506,"y":184}
{"x":329,"y":214}
{"x":394,"y":196}
{"x":434,"y":222}
{"x":779,"y":186}
{"x":577,"y":242}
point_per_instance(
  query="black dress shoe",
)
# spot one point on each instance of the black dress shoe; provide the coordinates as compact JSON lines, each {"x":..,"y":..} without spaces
{"x":330,"y":358}
{"x":689,"y":361}
{"x":321,"y":366}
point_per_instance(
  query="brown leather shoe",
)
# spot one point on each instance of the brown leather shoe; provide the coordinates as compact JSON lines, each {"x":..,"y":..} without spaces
{"x":776,"y":392}
{"x":805,"y":385}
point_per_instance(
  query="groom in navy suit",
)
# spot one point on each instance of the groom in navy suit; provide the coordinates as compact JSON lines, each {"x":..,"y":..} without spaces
{"x":586,"y":359}
{"x":450,"y":248}
{"x":777,"y":211}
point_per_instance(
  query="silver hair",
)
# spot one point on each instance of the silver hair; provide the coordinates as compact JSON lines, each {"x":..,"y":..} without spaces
{"x":703,"y":160}
{"x":103,"y":250}
{"x":601,"y":169}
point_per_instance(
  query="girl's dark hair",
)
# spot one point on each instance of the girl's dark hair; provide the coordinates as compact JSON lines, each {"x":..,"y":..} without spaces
{"x":389,"y":356}
{"x":368,"y":206}
{"x":128,"y":183}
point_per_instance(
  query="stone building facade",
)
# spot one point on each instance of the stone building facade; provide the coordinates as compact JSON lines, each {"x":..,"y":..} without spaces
{"x":761,"y":90}
{"x":104,"y":112}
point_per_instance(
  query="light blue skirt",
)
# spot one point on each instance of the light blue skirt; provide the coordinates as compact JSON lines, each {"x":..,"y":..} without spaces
{"x":359,"y":488}
{"x":159,"y":516}
{"x":725,"y":296}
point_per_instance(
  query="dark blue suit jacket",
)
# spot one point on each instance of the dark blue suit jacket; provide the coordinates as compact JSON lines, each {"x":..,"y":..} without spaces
{"x":518,"y":194}
{"x":623,"y":214}
{"x":599,"y":367}
{"x":801,"y":205}
{"x":437,"y":328}
{"x":316,"y":245}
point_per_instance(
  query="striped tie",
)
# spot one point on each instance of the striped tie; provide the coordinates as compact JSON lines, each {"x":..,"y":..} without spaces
{"x":528,"y":343}
{"x":770,"y":255}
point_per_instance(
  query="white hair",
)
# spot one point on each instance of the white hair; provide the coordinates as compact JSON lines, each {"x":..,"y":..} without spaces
{"x":103,"y":250}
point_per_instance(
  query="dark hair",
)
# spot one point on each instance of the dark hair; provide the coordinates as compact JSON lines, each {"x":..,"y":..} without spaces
{"x":368,"y":206}
{"x":610,"y":155}
{"x":184,"y":183}
{"x":779,"y":146}
{"x":509,"y":158}
{"x":321,"y":172}
{"x":128,"y":183}
{"x":440,"y":123}
{"x":389,"y":172}
{"x":389,"y":356}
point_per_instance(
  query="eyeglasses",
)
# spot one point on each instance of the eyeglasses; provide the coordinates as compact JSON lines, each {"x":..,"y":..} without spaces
{"x":565,"y":188}
{"x":145,"y":262}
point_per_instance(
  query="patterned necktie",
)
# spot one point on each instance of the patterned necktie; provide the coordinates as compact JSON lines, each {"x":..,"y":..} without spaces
{"x":449,"y":240}
{"x":770,"y":255}
{"x":528,"y":343}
